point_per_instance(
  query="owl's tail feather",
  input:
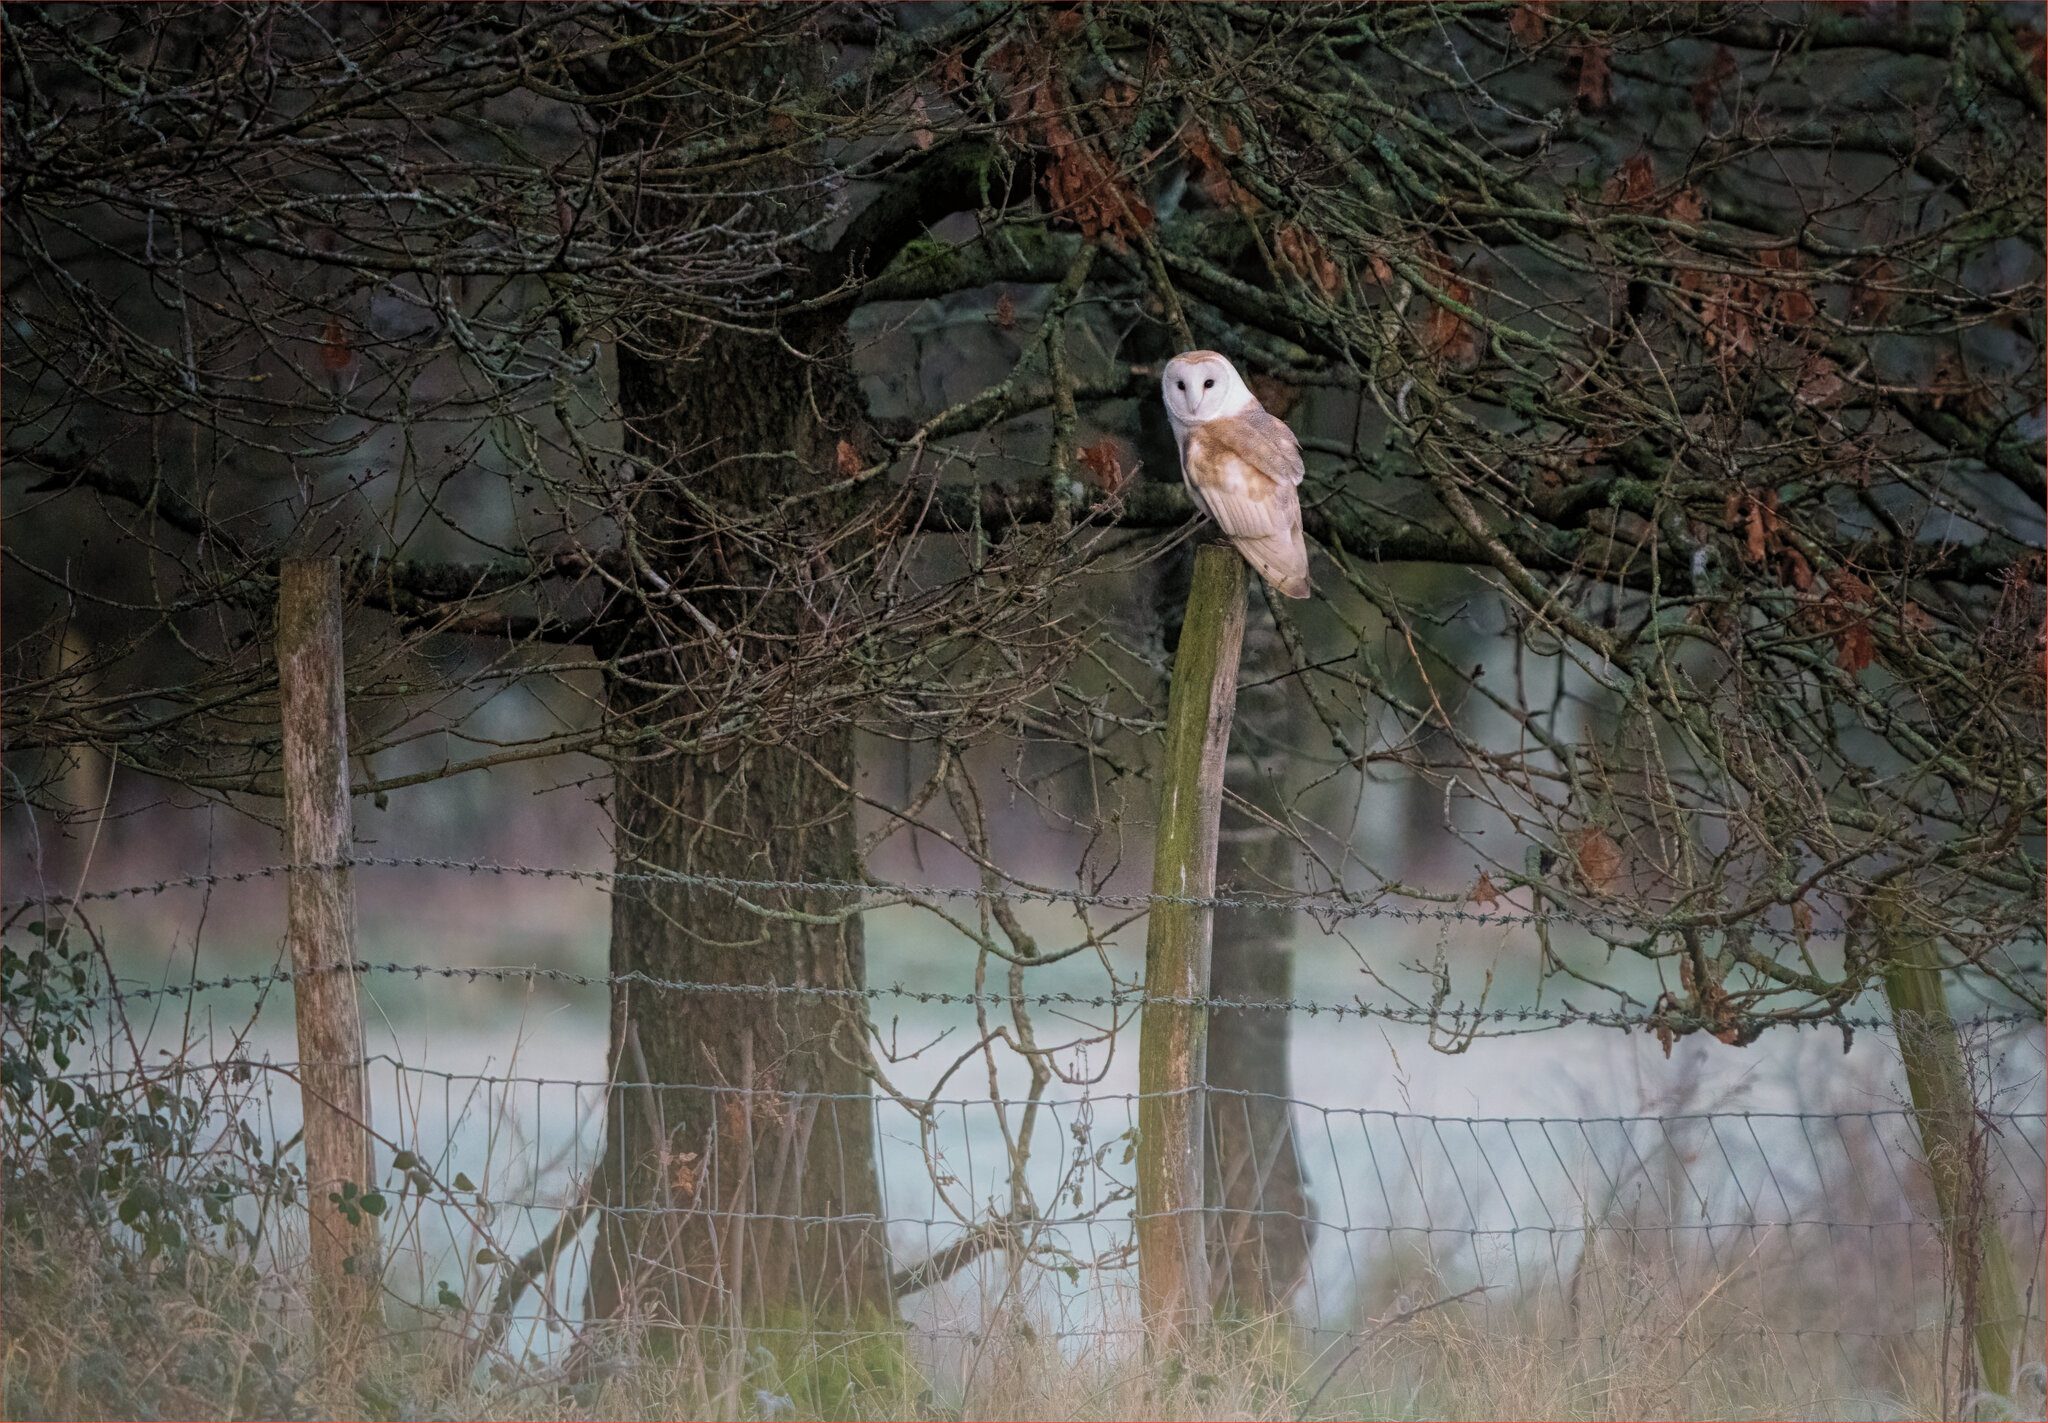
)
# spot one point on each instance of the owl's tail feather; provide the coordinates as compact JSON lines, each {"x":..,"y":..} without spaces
{"x":1282,"y":562}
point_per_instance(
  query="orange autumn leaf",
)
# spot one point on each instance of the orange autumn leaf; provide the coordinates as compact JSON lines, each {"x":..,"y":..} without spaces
{"x":1447,"y":336}
{"x":1855,"y":646}
{"x":1594,"y":74}
{"x":1755,"y":516}
{"x":1802,"y":918}
{"x":1086,"y":189}
{"x":952,"y":71}
{"x":846,"y":459}
{"x":1597,"y":858}
{"x":1686,"y":205}
{"x":1105,"y":465}
{"x":1728,"y":311}
{"x":1529,"y":22}
{"x":1820,"y":382}
{"x":1849,"y":600}
{"x":1303,"y":254}
{"x":1793,"y":304}
{"x":1212,"y":170}
{"x":1794,"y":568}
{"x":335,"y":353}
{"x":1005,"y":314}
{"x":1483,"y":893}
{"x":1082,"y":185}
{"x":1631,"y":184}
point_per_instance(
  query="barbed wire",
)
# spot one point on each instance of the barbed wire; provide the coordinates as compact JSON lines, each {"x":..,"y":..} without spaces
{"x":1457,"y":1017}
{"x":1323,"y":906}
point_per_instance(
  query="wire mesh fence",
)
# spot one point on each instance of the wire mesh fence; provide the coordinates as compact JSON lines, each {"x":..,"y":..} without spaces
{"x":1725,"y":1215}
{"x":1568,"y":1231}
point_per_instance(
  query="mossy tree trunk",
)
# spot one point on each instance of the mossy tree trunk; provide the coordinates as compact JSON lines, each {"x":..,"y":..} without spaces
{"x":1951,"y":1142}
{"x":1259,"y":1227}
{"x":745,"y":1184}
{"x":1173,"y":1257}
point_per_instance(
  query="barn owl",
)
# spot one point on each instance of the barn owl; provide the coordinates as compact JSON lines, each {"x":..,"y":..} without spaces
{"x":1241,"y":464}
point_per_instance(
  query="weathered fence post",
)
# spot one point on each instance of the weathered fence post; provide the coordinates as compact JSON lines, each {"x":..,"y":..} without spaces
{"x":320,"y":927}
{"x":1173,"y":1261}
{"x":1947,"y":1116}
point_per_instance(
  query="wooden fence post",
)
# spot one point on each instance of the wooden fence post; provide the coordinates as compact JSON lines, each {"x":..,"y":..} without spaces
{"x":1173,"y":1260}
{"x":1946,"y":1114}
{"x":320,"y":927}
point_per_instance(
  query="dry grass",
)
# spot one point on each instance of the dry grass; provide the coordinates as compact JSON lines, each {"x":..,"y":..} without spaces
{"x":91,"y":1333}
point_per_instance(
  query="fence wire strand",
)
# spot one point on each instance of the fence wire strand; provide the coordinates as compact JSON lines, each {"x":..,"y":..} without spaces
{"x":1322,"y":907}
{"x":1461,"y":1016}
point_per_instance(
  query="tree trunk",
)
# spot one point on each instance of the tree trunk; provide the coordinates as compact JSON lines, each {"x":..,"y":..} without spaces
{"x":1951,"y":1141}
{"x":1260,"y":1226}
{"x":742,"y":1186}
{"x":1259,"y":1233}
{"x":744,"y":1182}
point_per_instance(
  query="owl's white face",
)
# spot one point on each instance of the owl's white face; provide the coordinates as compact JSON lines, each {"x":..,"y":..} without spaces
{"x":1200,"y":386}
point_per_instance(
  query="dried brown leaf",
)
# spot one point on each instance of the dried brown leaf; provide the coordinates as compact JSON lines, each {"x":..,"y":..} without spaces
{"x":1212,"y":171}
{"x":1855,"y":646}
{"x":1105,"y":465}
{"x":685,"y":1174}
{"x":1593,"y":73}
{"x":336,"y":355}
{"x":1597,"y":857}
{"x":1446,"y":336}
{"x":1632,"y":184}
{"x":1820,"y":382}
{"x":1303,"y":254}
{"x":1706,"y":90}
{"x":1529,"y":22}
{"x":1686,"y":205}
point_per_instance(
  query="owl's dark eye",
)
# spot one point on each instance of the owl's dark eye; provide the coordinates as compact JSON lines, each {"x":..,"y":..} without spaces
{"x":1180,"y":385}
{"x":1207,"y":383}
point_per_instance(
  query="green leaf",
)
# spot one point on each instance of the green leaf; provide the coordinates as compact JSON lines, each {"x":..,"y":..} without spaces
{"x":373,"y":1202}
{"x":404,"y":1161}
{"x":463,"y":1183}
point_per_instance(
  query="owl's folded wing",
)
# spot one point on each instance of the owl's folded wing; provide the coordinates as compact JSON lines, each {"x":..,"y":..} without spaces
{"x":1260,"y":512}
{"x":1242,"y":500}
{"x":1245,"y":470}
{"x":1262,"y":440}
